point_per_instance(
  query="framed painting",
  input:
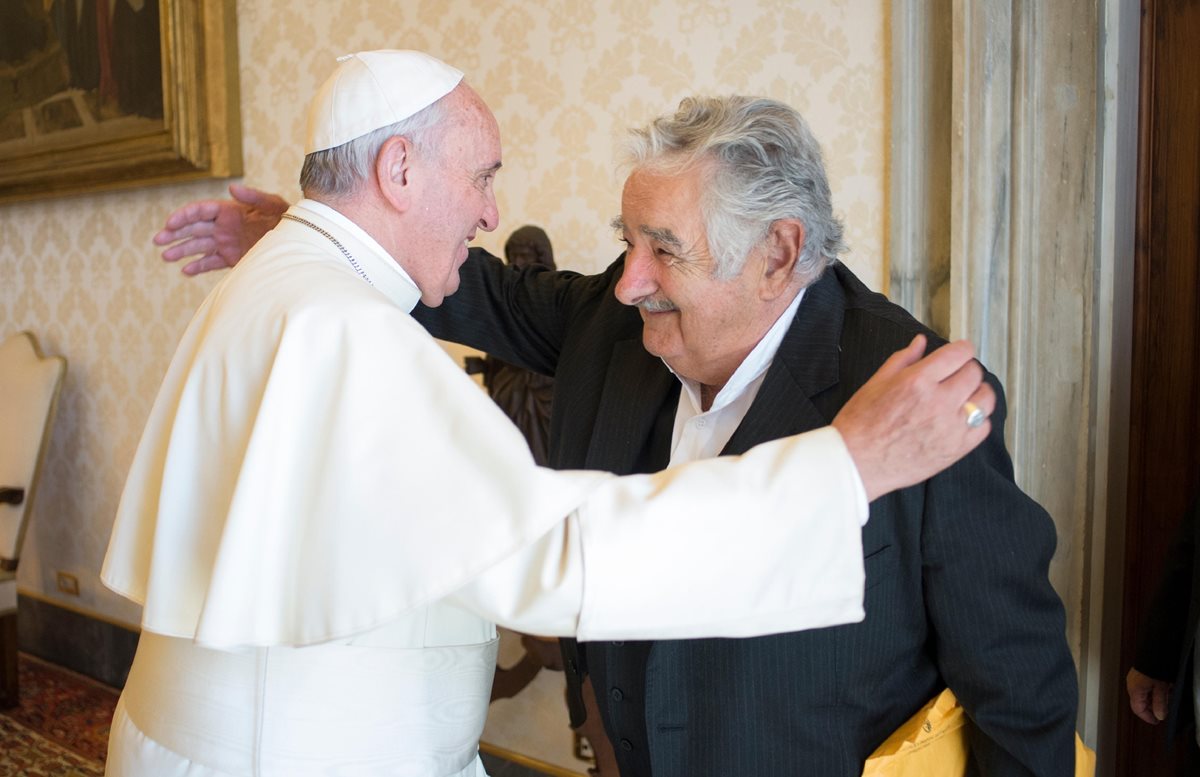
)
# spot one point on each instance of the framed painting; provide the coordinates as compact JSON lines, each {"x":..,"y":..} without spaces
{"x":103,"y":94}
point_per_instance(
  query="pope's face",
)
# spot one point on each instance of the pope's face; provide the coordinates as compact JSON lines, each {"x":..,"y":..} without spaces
{"x":458,"y":198}
{"x":703,"y":327}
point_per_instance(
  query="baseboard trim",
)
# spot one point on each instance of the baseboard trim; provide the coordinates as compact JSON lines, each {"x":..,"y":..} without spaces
{"x":77,"y":609}
{"x":91,"y":645}
{"x":527,"y":762}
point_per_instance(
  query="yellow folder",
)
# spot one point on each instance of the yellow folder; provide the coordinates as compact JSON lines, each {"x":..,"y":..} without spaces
{"x":933,"y":743}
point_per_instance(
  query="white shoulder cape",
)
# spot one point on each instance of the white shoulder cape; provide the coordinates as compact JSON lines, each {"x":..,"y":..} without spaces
{"x":314,"y":464}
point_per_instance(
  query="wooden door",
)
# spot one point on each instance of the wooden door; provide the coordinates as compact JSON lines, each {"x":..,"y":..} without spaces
{"x":1164,"y":455}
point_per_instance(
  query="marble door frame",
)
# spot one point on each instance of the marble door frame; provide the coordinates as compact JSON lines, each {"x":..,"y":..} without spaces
{"x":1011,"y":201}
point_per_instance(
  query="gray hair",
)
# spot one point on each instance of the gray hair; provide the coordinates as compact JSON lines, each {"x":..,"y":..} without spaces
{"x":339,"y":171}
{"x":766,"y":166}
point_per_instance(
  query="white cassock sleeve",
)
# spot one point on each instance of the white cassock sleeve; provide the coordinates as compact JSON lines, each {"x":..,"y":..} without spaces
{"x":773,"y":545}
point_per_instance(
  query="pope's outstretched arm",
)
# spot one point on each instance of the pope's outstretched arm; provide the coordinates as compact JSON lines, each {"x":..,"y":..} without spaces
{"x":891,"y":445}
{"x":769,"y":541}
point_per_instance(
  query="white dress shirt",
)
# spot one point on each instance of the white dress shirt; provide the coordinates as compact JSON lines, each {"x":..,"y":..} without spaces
{"x":702,"y":434}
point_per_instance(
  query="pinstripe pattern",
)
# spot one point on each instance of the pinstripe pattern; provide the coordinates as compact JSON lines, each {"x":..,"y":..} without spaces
{"x":957,"y":587}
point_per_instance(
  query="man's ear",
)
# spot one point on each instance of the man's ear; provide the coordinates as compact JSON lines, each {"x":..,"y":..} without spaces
{"x":785,"y":241}
{"x":393,"y":171}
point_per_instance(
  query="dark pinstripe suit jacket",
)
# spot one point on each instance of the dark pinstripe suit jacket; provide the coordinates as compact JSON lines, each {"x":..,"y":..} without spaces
{"x":957,"y":587}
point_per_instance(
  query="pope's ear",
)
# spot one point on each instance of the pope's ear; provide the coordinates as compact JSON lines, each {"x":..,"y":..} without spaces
{"x":393,"y":170}
{"x":785,"y":241}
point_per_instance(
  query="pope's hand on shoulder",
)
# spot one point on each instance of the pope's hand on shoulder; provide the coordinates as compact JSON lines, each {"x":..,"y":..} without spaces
{"x":907,"y":423}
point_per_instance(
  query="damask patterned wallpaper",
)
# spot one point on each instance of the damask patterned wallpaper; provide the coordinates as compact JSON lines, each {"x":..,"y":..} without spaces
{"x":564,"y":78}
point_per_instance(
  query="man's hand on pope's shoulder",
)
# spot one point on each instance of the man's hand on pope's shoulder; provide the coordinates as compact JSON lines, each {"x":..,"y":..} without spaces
{"x":217,"y":233}
{"x":910,"y":420}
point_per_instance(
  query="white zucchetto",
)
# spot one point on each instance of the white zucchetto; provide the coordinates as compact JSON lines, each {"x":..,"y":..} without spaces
{"x":372,"y":89}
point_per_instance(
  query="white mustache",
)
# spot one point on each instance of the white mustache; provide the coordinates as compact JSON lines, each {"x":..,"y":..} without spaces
{"x":656,"y":305}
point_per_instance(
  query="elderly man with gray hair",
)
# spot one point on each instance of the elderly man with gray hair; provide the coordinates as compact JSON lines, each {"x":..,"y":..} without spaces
{"x":729,"y":321}
{"x":325,"y":518}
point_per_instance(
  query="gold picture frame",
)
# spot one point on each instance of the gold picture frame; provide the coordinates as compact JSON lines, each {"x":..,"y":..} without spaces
{"x":103,"y":145}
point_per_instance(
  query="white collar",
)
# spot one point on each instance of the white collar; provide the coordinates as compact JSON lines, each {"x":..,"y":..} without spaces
{"x":753,"y":366}
{"x":381,"y":270}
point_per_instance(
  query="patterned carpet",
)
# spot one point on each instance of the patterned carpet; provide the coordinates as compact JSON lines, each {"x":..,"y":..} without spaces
{"x":60,"y":728}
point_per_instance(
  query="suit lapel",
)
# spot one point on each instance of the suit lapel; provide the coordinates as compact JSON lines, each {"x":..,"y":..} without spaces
{"x":805,"y":365}
{"x":637,"y":387}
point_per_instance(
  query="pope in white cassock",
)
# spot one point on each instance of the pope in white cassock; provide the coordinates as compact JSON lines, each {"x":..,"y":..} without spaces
{"x":325,"y":518}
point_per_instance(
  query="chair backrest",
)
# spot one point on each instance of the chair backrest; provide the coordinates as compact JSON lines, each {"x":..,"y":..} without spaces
{"x":29,"y":388}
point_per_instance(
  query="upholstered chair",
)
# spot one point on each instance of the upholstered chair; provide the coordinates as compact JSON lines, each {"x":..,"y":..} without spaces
{"x":29,"y":388}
